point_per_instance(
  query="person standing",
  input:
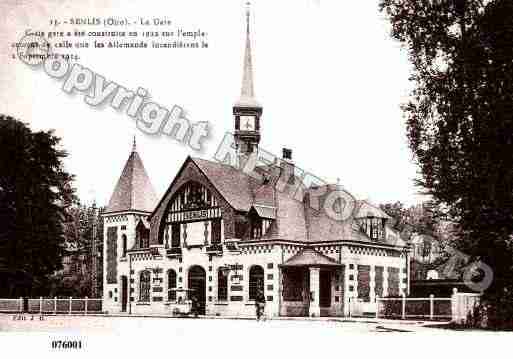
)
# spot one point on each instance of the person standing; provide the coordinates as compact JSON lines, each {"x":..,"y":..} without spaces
{"x":194,"y":305}
{"x":259,"y":304}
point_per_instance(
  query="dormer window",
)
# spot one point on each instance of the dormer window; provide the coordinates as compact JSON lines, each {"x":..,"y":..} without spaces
{"x":260,"y":219}
{"x":256,"y":228}
{"x":259,"y":227}
{"x":374,"y":227}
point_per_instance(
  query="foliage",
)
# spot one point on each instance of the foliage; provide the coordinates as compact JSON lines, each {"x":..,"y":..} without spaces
{"x":460,"y":120}
{"x":83,"y":224}
{"x":35,"y":192}
{"x":424,"y":218}
{"x":428,"y":221}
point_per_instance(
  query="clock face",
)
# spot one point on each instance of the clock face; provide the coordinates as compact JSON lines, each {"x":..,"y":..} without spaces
{"x":247,"y":123}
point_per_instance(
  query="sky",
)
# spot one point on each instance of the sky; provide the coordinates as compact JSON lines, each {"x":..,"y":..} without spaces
{"x":329,"y":77}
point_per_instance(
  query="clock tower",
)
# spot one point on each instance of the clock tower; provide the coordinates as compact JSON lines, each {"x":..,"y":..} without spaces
{"x":247,"y":110}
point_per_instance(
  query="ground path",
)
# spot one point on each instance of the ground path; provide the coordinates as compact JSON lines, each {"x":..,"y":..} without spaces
{"x":119,"y":337}
{"x":213,"y":326}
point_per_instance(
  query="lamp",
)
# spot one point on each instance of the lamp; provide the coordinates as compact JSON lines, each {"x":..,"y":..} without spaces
{"x":225,"y":270}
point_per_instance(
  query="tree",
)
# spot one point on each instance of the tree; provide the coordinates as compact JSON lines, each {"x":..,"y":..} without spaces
{"x":82,"y":226}
{"x":35,"y":192}
{"x":425,"y":221}
{"x":425,"y":218}
{"x":460,"y":117}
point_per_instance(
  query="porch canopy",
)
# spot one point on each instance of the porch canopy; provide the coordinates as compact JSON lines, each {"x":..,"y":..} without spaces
{"x":309,"y":257}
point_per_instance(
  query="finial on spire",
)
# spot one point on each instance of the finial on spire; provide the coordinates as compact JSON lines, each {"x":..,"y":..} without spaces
{"x":248,"y":9}
{"x":134,"y":146}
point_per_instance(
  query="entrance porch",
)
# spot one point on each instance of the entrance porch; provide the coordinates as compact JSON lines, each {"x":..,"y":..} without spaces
{"x":312,"y":285}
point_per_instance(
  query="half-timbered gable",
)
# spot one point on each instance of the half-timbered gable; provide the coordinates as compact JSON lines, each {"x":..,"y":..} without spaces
{"x":191,"y":198}
{"x":193,"y":217}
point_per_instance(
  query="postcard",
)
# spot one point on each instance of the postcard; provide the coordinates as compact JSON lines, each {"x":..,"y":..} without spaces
{"x":302,"y":177}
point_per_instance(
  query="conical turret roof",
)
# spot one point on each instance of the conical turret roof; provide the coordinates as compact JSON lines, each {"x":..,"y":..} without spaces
{"x":134,"y":191}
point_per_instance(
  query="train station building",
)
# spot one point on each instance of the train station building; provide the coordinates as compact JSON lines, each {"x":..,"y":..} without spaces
{"x":222,"y":235}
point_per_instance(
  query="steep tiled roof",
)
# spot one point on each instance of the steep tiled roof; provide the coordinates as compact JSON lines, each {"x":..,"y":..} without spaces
{"x":290,"y":214}
{"x":134,"y":190}
{"x":309,"y":257}
{"x":234,"y":185}
{"x":294,"y":218}
{"x":322,"y":227}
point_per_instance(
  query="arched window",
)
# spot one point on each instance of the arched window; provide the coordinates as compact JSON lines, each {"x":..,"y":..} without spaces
{"x":171,"y":284}
{"x":256,"y":281}
{"x":123,"y":244}
{"x":142,"y":235}
{"x":144,"y":286}
{"x":222,"y":285}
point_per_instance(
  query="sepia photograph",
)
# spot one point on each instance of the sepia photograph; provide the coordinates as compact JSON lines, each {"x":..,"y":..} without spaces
{"x":247,"y":178}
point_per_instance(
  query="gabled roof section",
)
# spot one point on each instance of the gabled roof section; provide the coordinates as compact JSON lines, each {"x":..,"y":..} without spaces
{"x":232,"y":184}
{"x":309,"y":257}
{"x":134,"y":190}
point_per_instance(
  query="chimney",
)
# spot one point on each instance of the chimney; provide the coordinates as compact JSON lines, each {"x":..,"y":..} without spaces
{"x":287,"y":167}
{"x":287,"y":154}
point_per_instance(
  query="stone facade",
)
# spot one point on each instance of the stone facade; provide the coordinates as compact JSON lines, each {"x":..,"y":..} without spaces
{"x":270,"y":257}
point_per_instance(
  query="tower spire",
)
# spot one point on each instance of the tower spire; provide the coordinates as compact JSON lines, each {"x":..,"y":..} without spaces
{"x":247,"y":93}
{"x":134,"y":145}
{"x":247,"y":110}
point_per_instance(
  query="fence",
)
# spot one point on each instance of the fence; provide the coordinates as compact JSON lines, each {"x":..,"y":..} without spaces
{"x":52,"y":305}
{"x":415,"y":308}
{"x":463,"y":306}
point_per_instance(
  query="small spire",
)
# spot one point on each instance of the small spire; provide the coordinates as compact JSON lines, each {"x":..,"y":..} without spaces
{"x":247,"y":93}
{"x":134,"y":145}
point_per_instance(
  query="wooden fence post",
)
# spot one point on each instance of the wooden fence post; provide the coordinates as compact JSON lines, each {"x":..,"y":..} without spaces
{"x":455,"y":315}
{"x":70,"y":301}
{"x":404,"y":307}
{"x":40,"y":305}
{"x":85,"y":305}
{"x":431,"y":306}
{"x":21,"y":304}
{"x":377,"y":307}
{"x":54,"y":305}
